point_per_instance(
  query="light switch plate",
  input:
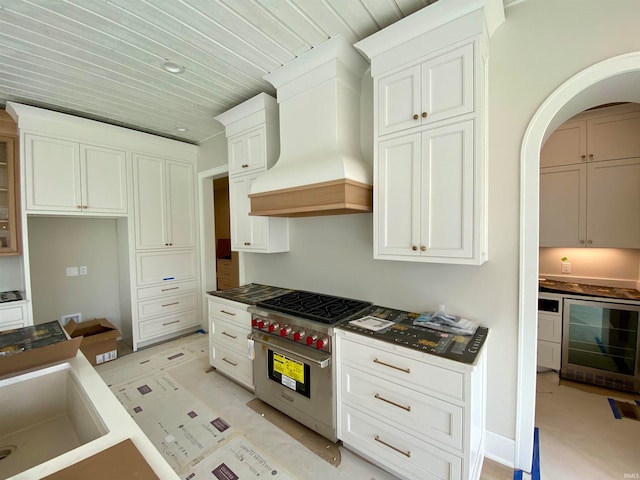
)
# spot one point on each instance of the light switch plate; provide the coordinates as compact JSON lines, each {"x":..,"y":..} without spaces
{"x":72,"y":271}
{"x":566,"y":267}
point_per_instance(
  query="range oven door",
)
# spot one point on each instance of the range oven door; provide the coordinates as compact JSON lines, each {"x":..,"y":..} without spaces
{"x":296,"y":380}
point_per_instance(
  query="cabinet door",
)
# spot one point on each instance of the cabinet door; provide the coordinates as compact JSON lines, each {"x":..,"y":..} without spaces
{"x":397,"y":197}
{"x":613,"y":204}
{"x":52,"y":174}
{"x":104,"y":180}
{"x":9,"y":222}
{"x":563,"y":214}
{"x":247,"y":151}
{"x":248,"y":233}
{"x":566,"y":146}
{"x":447,"y":85}
{"x":614,"y":137}
{"x":447,"y":186}
{"x":399,"y":101}
{"x":149,"y":181}
{"x":181,"y":208}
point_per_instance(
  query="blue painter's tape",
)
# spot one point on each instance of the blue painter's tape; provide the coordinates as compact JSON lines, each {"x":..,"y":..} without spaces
{"x":517,"y":475}
{"x":535,"y":468}
{"x":169,"y":278}
{"x":614,"y":409}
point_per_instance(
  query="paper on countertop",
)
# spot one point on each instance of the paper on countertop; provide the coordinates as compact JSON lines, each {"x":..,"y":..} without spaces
{"x":446,"y":323}
{"x":371,"y":323}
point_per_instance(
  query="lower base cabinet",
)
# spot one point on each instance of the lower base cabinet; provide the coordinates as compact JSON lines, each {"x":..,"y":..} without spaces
{"x":229,"y":325}
{"x":13,"y":316}
{"x":415,"y":415}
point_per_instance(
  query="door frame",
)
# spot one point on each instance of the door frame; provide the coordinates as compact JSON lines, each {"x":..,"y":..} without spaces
{"x":615,"y":79}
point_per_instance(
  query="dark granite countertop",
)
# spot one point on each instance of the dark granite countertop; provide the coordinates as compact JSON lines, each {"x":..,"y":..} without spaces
{"x":554,"y":286}
{"x":250,"y":293}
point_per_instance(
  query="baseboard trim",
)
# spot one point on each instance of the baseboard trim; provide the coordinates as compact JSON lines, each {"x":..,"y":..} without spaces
{"x":499,"y":449}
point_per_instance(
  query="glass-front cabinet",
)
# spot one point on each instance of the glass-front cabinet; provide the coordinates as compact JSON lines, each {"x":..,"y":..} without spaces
{"x":9,"y":238}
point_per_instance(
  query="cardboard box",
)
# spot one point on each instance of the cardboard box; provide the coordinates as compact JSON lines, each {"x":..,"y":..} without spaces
{"x":35,"y":346}
{"x":98,"y":339}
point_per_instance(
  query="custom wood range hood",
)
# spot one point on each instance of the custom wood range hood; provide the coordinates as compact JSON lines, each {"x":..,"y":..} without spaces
{"x":320,"y":170}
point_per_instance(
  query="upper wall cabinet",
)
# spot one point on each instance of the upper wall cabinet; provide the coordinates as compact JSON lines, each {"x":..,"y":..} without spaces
{"x":438,"y":88}
{"x":164,"y":202}
{"x":429,"y":191}
{"x":252,"y":136}
{"x":609,"y":133}
{"x":70,"y":177}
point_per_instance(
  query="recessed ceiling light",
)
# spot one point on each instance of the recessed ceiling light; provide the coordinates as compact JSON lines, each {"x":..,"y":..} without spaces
{"x":182,"y":129}
{"x":172,"y":67}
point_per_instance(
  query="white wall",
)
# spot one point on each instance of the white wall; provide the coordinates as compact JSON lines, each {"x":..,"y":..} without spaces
{"x":11,"y":277}
{"x":56,"y":243}
{"x":541,"y":45}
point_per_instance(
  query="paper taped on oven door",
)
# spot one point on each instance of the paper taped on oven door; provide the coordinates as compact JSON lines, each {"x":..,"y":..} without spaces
{"x":371,"y":323}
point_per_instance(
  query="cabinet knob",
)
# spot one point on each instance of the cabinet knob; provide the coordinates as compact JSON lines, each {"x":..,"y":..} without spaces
{"x":424,"y":114}
{"x":591,"y":156}
{"x":245,"y":165}
{"x":247,"y":243}
{"x":79,"y":206}
{"x":85,"y":206}
{"x":414,"y":248}
{"x":423,"y":248}
{"x":415,"y":117}
{"x":581,"y":242}
{"x":583,"y":157}
{"x":589,"y":242}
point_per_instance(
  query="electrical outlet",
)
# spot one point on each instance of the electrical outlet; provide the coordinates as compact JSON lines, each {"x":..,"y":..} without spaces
{"x":82,"y":270}
{"x":566,"y":267}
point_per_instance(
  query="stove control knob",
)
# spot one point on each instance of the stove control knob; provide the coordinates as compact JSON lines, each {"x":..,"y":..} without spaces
{"x":254,"y":322}
{"x":284,"y":331}
{"x":321,"y":343}
{"x":299,"y":335}
{"x":311,"y":339}
{"x":260,"y":324}
{"x":273,"y":327}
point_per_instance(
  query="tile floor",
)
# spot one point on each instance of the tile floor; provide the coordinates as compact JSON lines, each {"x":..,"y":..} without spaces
{"x":229,"y":400}
{"x":579,"y":436}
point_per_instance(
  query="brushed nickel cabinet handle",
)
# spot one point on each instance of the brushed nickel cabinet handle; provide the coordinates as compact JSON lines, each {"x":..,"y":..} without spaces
{"x":229,"y":335}
{"x":379,"y":397}
{"x":167,"y":289}
{"x":405,"y":370}
{"x":169,"y":304}
{"x":406,"y":454}
{"x":169,"y":323}
{"x":228,"y":313}
{"x":229,"y":362}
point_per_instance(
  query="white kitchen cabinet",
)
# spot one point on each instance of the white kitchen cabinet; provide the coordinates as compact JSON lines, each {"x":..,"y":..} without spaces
{"x":439,"y":88}
{"x":75,"y":178}
{"x":413,"y":414}
{"x":252,"y":137}
{"x":164,"y":203}
{"x":595,"y":204}
{"x":429,"y":195}
{"x":229,"y":325}
{"x":248,"y":151}
{"x":251,"y":233}
{"x":424,"y":199}
{"x":13,"y":315}
{"x":608,"y":133}
{"x":549,"y":331}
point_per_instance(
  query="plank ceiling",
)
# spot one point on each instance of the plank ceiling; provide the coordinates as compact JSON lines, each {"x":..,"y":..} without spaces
{"x":102,"y":59}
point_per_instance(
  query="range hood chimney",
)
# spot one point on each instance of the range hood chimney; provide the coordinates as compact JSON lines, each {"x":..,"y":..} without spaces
{"x":320,"y":170}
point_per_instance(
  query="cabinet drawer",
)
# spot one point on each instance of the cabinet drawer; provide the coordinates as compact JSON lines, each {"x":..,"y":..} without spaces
{"x":231,"y":311}
{"x":168,"y":289}
{"x":16,"y":314}
{"x":236,"y":365}
{"x":168,"y":324}
{"x":549,"y":327}
{"x":166,"y":305}
{"x":390,"y":365}
{"x":404,"y":454}
{"x":421,"y":413}
{"x":165,"y":267}
{"x":229,"y":335}
{"x":548,"y":355}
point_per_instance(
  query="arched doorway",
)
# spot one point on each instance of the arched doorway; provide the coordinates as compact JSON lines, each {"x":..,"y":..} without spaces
{"x":616,"y":79}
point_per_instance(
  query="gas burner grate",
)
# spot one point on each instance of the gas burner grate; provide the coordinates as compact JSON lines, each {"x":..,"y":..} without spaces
{"x":315,"y":306}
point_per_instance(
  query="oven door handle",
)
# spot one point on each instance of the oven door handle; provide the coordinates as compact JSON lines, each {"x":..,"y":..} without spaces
{"x":319,"y":359}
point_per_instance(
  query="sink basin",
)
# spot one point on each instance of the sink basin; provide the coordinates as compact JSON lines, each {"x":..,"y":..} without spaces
{"x":44,"y":414}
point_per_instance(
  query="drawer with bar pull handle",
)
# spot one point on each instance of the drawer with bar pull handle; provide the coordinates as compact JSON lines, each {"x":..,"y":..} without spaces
{"x":168,"y":324}
{"x":166,"y":305}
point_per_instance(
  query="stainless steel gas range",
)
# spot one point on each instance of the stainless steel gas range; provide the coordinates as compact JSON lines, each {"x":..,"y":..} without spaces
{"x":294,"y":364}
